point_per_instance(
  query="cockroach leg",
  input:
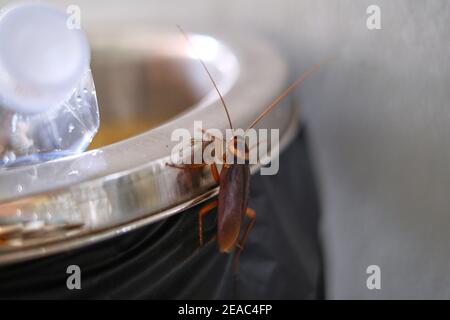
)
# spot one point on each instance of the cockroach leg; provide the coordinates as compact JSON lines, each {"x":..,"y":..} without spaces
{"x":203,"y":211}
{"x":194,"y":141}
{"x":210,"y":135}
{"x":214,"y":170}
{"x":187,"y":166}
{"x":215,"y":173}
{"x":251,"y":214}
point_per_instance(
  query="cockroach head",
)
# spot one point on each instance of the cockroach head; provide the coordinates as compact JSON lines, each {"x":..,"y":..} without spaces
{"x":238,"y":148}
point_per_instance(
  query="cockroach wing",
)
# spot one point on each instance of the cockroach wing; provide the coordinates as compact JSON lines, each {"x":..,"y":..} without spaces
{"x":233,"y":201}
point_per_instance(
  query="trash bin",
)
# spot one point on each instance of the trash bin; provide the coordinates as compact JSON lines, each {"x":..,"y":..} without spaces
{"x":128,"y":221}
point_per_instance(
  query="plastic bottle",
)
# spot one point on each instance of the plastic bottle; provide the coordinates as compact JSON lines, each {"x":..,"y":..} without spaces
{"x":48,"y":104}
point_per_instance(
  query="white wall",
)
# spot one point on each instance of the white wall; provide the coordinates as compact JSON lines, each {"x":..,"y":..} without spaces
{"x":380,"y":122}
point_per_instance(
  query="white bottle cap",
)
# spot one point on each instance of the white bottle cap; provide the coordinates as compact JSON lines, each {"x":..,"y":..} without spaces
{"x":42,"y":57}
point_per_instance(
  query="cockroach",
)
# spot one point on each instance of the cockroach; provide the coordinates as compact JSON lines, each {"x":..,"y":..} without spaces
{"x":234,"y":179}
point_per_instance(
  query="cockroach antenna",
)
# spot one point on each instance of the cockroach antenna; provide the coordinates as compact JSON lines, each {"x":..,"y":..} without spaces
{"x":234,"y":184}
{"x":294,"y":85}
{"x":209,"y":74}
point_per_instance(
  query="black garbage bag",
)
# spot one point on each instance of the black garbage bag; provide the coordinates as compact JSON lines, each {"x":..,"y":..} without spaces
{"x":282,"y":258}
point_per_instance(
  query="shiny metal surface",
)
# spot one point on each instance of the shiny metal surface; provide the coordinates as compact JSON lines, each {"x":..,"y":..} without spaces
{"x":144,"y":74}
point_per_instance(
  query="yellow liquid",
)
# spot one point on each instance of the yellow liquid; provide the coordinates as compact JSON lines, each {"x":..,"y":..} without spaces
{"x":111,"y":132}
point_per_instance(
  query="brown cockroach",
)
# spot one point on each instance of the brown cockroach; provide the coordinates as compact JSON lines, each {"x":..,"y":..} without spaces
{"x":234,"y":179}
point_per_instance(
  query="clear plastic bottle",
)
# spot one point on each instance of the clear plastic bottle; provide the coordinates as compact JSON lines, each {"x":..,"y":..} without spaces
{"x":48,"y":104}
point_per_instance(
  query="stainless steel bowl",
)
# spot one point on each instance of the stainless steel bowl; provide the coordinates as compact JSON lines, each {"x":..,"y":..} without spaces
{"x":150,"y":76}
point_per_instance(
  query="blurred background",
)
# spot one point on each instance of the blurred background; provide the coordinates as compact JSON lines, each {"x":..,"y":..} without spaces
{"x":378,"y":120}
